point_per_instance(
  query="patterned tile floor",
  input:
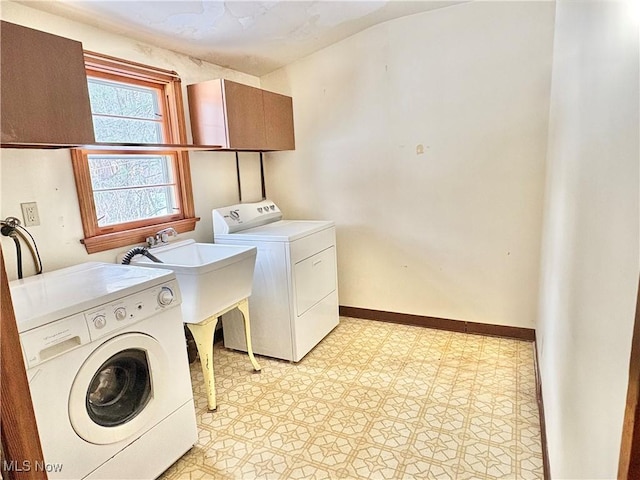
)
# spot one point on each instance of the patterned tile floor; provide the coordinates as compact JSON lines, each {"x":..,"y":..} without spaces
{"x":373,"y":400}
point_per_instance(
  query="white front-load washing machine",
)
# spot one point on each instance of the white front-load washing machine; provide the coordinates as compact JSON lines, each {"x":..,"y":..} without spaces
{"x":294,"y":299}
{"x":107,"y":366}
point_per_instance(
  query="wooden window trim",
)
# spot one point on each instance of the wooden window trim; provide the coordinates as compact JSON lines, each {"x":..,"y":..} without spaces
{"x":95,"y":239}
{"x":125,"y":68}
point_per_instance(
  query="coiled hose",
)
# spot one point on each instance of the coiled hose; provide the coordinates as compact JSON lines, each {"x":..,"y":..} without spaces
{"x":126,"y":260}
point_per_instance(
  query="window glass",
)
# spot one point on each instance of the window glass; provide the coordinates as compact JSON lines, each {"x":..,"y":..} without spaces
{"x":125,"y":113}
{"x":131,"y":188}
{"x":109,"y":97}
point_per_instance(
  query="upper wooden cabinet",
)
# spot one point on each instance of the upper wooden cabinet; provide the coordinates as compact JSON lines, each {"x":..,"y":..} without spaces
{"x":278,"y":120}
{"x":240,"y":117}
{"x":44,"y":98}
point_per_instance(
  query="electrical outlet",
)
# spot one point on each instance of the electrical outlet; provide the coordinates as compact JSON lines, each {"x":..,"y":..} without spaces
{"x":30,"y":214}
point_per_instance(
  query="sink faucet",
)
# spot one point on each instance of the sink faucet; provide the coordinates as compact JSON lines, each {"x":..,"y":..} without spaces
{"x":162,"y":237}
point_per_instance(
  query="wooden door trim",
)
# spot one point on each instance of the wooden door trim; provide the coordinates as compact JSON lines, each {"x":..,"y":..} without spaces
{"x":629,"y":462}
{"x":20,"y":441}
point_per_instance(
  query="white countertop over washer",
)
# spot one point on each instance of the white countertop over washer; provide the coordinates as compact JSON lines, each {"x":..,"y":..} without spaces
{"x":48,"y":297}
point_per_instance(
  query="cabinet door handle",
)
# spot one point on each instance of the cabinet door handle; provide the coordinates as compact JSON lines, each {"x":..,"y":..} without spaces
{"x":317,"y":262}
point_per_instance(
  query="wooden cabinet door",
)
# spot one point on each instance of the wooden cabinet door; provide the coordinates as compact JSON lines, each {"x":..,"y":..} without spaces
{"x":207,"y":113}
{"x":44,"y":95}
{"x":245,"y":116}
{"x":240,"y":117}
{"x":278,"y":119}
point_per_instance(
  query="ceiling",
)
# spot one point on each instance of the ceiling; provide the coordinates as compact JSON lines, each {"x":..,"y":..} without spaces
{"x":247,"y":36}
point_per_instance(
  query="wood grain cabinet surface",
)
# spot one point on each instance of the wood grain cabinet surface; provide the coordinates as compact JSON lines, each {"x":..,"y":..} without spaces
{"x":278,"y":120}
{"x":43,"y":94}
{"x":240,"y":117}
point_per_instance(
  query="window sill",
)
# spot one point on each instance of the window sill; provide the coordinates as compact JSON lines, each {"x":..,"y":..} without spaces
{"x":108,"y":241}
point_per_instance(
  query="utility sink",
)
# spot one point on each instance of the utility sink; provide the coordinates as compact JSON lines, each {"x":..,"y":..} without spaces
{"x":212,"y":277}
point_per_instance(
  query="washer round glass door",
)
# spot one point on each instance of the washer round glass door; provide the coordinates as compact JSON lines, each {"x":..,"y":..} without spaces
{"x":114,"y":394}
{"x":120,"y":389}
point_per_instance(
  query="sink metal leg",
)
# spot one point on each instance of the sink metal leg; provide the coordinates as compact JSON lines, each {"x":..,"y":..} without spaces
{"x":203,"y":335}
{"x":243,"y":306}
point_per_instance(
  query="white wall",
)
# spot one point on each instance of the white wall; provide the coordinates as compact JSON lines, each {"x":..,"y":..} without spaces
{"x":46,"y":177}
{"x":453,"y":232}
{"x":591,"y":253}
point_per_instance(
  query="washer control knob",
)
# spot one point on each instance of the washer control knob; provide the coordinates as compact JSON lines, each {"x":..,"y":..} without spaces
{"x":165,"y":297}
{"x":99,"y":321}
{"x":120,"y":313}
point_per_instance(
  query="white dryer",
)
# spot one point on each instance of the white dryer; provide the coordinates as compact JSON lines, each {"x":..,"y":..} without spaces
{"x":107,"y":366}
{"x":294,"y":300}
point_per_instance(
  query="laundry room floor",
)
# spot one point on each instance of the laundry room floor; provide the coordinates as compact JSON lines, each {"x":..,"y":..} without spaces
{"x":373,"y":400}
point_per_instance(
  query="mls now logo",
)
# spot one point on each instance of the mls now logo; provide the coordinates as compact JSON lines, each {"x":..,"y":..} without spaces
{"x":28,"y":466}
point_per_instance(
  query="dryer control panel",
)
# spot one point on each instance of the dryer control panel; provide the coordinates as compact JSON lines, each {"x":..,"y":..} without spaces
{"x":242,"y":216}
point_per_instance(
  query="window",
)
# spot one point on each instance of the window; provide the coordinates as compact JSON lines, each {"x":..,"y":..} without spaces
{"x":128,"y":193}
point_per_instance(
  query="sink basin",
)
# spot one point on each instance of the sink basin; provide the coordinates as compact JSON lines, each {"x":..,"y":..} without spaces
{"x":212,"y":277}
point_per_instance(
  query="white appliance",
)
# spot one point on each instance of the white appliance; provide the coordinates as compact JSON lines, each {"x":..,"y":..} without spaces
{"x":107,"y":366}
{"x":294,"y":301}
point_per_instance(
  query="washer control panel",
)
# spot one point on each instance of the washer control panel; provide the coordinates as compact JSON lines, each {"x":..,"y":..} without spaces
{"x":66,"y":334}
{"x":244,"y":215}
{"x":134,"y":308}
